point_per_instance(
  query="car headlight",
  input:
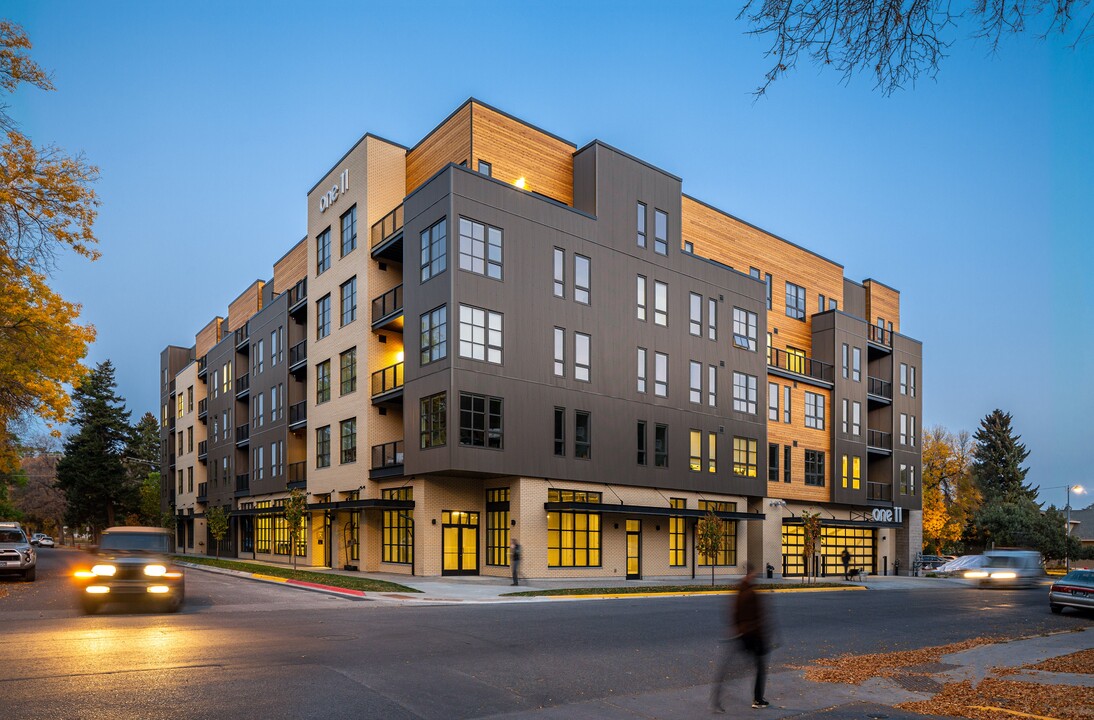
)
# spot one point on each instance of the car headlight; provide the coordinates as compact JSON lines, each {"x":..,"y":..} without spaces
{"x":104,"y":570}
{"x":155,"y":570}
{"x":1003,"y":575}
{"x":976,"y":574}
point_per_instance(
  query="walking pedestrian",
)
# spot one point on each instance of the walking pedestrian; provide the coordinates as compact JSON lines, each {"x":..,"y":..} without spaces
{"x":845,"y":556}
{"x":514,"y":559}
{"x":747,"y":625}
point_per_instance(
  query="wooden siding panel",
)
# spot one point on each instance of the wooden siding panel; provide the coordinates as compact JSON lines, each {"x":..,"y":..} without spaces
{"x":807,"y":438}
{"x":884,"y":302}
{"x":207,"y":337}
{"x":515,"y":150}
{"x":293,"y":268}
{"x":448,"y":143}
{"x":387,"y":183}
{"x":244,"y":307}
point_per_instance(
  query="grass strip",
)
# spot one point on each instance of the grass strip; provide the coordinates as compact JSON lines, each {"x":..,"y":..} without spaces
{"x":668,"y":589}
{"x":363,"y":584}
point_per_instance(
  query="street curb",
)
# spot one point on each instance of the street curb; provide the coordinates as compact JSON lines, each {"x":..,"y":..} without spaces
{"x":358,"y":595}
{"x":685,"y":593}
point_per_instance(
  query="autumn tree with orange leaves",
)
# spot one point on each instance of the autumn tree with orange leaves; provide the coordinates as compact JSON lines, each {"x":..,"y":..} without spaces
{"x":950,"y":493}
{"x":47,"y":207}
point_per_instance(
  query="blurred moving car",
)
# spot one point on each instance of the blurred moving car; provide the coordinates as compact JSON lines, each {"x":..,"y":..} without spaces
{"x":46,"y":541}
{"x":961,"y":564}
{"x":36,"y":537}
{"x":1076,"y":589}
{"x":131,"y":564}
{"x":1009,"y":568}
{"x":16,"y":553}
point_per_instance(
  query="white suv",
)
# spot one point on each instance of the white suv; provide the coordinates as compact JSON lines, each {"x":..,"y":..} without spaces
{"x":16,"y":553}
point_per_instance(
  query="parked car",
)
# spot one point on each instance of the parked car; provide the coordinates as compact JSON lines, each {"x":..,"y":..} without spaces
{"x":930,"y":562}
{"x":961,"y":564}
{"x":46,"y":541}
{"x":16,"y":553}
{"x":1076,"y":589}
{"x":1009,"y":568}
{"x":36,"y":537}
{"x":131,"y":564}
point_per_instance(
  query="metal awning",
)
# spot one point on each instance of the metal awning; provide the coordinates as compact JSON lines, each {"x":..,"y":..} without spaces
{"x":371,"y":503}
{"x":654,"y":510}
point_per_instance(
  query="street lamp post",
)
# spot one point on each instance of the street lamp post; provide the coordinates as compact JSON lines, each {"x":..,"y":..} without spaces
{"x":1067,"y":533}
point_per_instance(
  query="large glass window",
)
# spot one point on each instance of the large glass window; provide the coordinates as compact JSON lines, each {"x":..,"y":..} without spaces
{"x":660,"y":374}
{"x":349,"y":231}
{"x":641,"y":370}
{"x":480,"y":334}
{"x":660,"y":303}
{"x":583,"y":431}
{"x":641,"y":225}
{"x":695,"y":444}
{"x":712,"y":319}
{"x":712,"y":452}
{"x":712,"y":385}
{"x":641,"y":442}
{"x":861,"y":543}
{"x":322,"y":382}
{"x":744,"y":457}
{"x":480,"y":421}
{"x":560,"y":272}
{"x":581,"y":279}
{"x":814,"y":410}
{"x":497,"y":526}
{"x":695,"y":380}
{"x":744,"y":329}
{"x":744,"y":393}
{"x":677,"y":538}
{"x":641,"y":297}
{"x":480,"y":248}
{"x":773,"y":462}
{"x":348,"y":434}
{"x":398,"y":529}
{"x":773,"y":401}
{"x":661,"y":445}
{"x":322,"y":317}
{"x":727,"y":554}
{"x":434,"y":335}
{"x":560,"y":352}
{"x":856,"y":364}
{"x":560,"y":431}
{"x":347,"y":362}
{"x":433,"y":412}
{"x":322,"y":447}
{"x":903,"y":378}
{"x":434,"y":250}
{"x":856,"y":414}
{"x":573,"y":537}
{"x":322,"y":252}
{"x":582,"y":356}
{"x":814,"y":468}
{"x":695,"y":314}
{"x":349,"y":301}
{"x":660,"y":232}
{"x":795,"y":301}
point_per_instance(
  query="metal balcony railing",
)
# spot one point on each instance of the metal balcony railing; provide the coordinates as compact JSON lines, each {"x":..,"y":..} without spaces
{"x":243,"y":433}
{"x":387,"y":304}
{"x":298,"y":413}
{"x":800,"y":365}
{"x":879,"y":387}
{"x":880,"y":335}
{"x":879,"y":439}
{"x":298,"y":472}
{"x":388,"y":379}
{"x":387,"y":226}
{"x":203,"y":448}
{"x":203,"y":492}
{"x":203,"y":366}
{"x":242,"y":335}
{"x":298,"y":353}
{"x":879,"y":491}
{"x":243,"y":482}
{"x":387,"y":455}
{"x":298,"y":293}
{"x":243,"y":384}
{"x":203,"y":407}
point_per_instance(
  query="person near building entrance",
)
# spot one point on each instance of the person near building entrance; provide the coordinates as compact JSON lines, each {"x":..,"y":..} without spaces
{"x":748,"y":625}
{"x":514,"y":559}
{"x":845,"y":557}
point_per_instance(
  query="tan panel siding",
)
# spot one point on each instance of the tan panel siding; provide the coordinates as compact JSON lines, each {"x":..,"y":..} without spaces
{"x":515,"y":150}
{"x":741,"y":246}
{"x":807,"y":438}
{"x":207,"y":337}
{"x":449,"y":143}
{"x":883,"y":302}
{"x":293,"y":268}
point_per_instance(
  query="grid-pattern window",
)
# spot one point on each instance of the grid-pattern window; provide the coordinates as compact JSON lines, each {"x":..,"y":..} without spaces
{"x":744,"y":393}
{"x":347,"y":362}
{"x":322,"y":252}
{"x":661,"y":445}
{"x":581,"y":279}
{"x":712,"y":386}
{"x":744,"y":457}
{"x":583,"y":435}
{"x":695,"y":449}
{"x":695,"y":381}
{"x":773,"y":462}
{"x":573,"y":537}
{"x":907,"y":479}
{"x":795,"y":360}
{"x":348,"y":432}
{"x":712,"y":319}
{"x":695,"y":314}
{"x":433,"y":411}
{"x":560,"y":352}
{"x":641,"y":288}
{"x":560,"y":431}
{"x":660,"y":303}
{"x":641,"y":442}
{"x":744,"y":329}
{"x":582,"y":356}
{"x":677,"y":538}
{"x":856,"y":418}
{"x":322,"y":317}
{"x":727,"y":553}
{"x":322,"y":447}
{"x":480,"y":421}
{"x":480,"y":248}
{"x":497,"y":526}
{"x":851,"y":473}
{"x":398,"y":528}
{"x":349,"y":301}
{"x":434,"y":249}
{"x":814,"y":410}
{"x":560,"y":272}
{"x":641,"y":225}
{"x":434,"y":335}
{"x":861,"y":543}
{"x":660,"y":374}
{"x":641,"y":370}
{"x":322,"y":382}
{"x":349,"y":231}
{"x":712,"y":452}
{"x":773,"y":401}
{"x":660,"y":232}
{"x":480,"y":334}
{"x":814,"y":468}
{"x":856,"y":364}
{"x":795,"y":301}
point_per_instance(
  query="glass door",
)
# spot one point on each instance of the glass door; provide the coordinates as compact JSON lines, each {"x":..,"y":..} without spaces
{"x":634,"y":549}
{"x":459,"y":543}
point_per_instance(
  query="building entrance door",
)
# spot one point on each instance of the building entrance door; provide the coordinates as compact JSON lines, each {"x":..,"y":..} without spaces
{"x":459,"y":543}
{"x":634,"y":549}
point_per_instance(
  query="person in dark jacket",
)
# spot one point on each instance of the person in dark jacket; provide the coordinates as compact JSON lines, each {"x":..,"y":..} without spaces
{"x":845,"y":557}
{"x":514,"y":560}
{"x":748,"y":625}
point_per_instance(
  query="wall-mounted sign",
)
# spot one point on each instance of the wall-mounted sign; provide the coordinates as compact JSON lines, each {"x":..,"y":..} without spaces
{"x":330,"y":196}
{"x":888,"y":515}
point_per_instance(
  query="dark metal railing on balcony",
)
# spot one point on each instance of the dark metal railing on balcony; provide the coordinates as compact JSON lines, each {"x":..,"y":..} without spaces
{"x":242,"y":334}
{"x":298,"y":293}
{"x":879,"y":439}
{"x":243,"y":433}
{"x":880,"y":335}
{"x":203,"y":492}
{"x":389,"y":303}
{"x":203,"y":448}
{"x":800,"y":365}
{"x":203,"y":365}
{"x":243,"y":384}
{"x":243,"y":482}
{"x":203,"y":407}
{"x":388,"y":379}
{"x":388,"y":226}
{"x":298,"y":413}
{"x":298,"y":353}
{"x":879,"y":387}
{"x":879,"y":491}
{"x":298,"y":472}
{"x":387,"y":455}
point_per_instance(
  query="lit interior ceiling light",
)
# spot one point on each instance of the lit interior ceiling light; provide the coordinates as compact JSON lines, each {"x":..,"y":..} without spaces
{"x":520,"y":183}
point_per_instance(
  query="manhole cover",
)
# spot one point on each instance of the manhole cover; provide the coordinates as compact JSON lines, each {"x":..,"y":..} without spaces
{"x":931,"y":668}
{"x":918,"y":683}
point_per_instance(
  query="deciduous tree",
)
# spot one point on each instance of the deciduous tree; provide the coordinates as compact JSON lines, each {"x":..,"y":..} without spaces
{"x":811,"y":531}
{"x":296,"y":505}
{"x":216,"y":520}
{"x":950,"y":495}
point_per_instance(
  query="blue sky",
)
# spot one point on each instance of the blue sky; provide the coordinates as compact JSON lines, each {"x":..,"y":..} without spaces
{"x":972,"y":195}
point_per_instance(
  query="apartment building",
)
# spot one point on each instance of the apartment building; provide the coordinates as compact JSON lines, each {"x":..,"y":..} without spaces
{"x":596,"y":361}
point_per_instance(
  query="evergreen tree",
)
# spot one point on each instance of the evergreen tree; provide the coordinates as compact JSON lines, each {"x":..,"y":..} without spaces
{"x":142,"y":454}
{"x":91,"y":473}
{"x":997,"y":461}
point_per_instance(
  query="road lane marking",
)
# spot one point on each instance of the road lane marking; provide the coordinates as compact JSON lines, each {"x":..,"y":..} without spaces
{"x":1012,"y":712}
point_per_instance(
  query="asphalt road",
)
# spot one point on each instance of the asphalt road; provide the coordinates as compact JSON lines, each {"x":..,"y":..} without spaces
{"x":242,"y":649}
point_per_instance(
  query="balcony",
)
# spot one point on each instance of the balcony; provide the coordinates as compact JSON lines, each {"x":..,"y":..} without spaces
{"x":298,"y":357}
{"x":243,"y":386}
{"x":171,"y":461}
{"x":387,"y":236}
{"x":800,"y":366}
{"x":298,"y":416}
{"x":879,"y":442}
{"x":298,"y":299}
{"x":387,"y":310}
{"x":243,"y":484}
{"x":879,"y":492}
{"x":243,"y":435}
{"x":242,"y":337}
{"x":203,"y":367}
{"x":879,"y":391}
{"x":387,"y":460}
{"x":298,"y":475}
{"x":387,"y":385}
{"x":203,"y":408}
{"x":203,"y":450}
{"x":879,"y":338}
{"x":203,"y":492}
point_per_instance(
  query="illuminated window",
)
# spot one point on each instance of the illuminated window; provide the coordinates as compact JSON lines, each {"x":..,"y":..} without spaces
{"x":497,"y":526}
{"x":795,"y":360}
{"x":322,"y":447}
{"x":856,"y":472}
{"x":843,"y":471}
{"x":480,"y":334}
{"x":744,"y":329}
{"x":434,"y":250}
{"x":480,"y":248}
{"x":322,"y":252}
{"x":434,"y":335}
{"x":349,"y":231}
{"x":814,"y":468}
{"x":573,"y":537}
{"x":348,"y":433}
{"x":398,"y":528}
{"x":677,"y":538}
{"x":180,"y":402}
{"x":712,"y":452}
{"x":744,"y":457}
{"x":727,"y":554}
{"x":433,"y":411}
{"x":322,"y":382}
{"x":347,"y":362}
{"x":695,"y":462}
{"x":480,"y":421}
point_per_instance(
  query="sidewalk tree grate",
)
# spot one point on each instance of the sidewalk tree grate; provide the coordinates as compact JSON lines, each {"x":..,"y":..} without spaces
{"x":918,"y":683}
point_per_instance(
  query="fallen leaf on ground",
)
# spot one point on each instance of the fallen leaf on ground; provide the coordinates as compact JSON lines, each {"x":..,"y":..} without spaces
{"x":992,"y":697}
{"x":1081,"y":663}
{"x":856,"y":669}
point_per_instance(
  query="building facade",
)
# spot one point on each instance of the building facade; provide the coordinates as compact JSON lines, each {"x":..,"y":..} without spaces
{"x":495,"y":335}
